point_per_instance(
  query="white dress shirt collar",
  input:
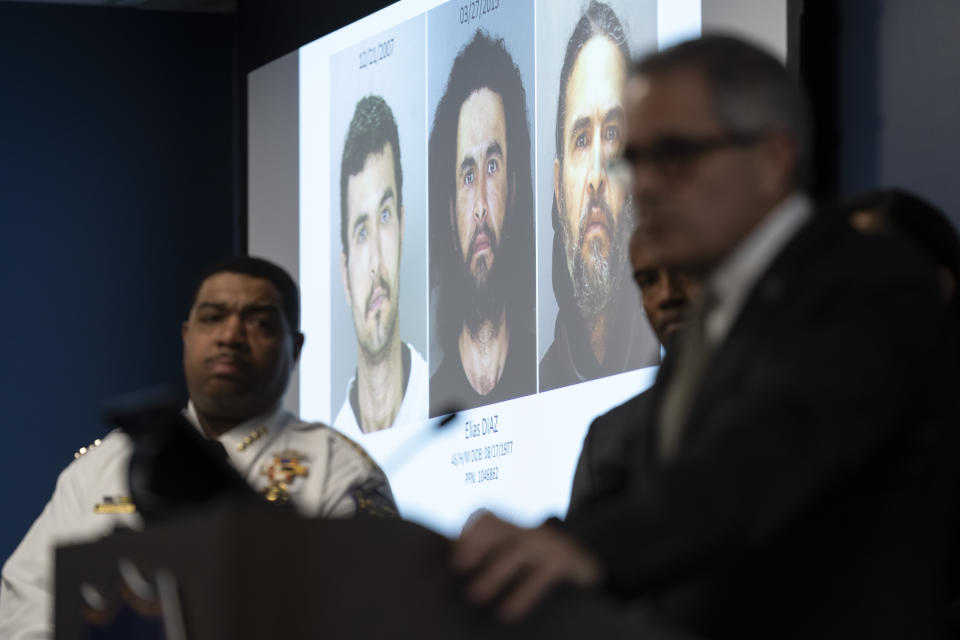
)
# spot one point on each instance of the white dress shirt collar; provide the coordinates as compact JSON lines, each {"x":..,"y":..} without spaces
{"x":736,"y":276}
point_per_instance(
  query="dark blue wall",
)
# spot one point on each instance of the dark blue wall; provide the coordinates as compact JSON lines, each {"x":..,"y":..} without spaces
{"x":117,"y":156}
{"x":899,"y":93}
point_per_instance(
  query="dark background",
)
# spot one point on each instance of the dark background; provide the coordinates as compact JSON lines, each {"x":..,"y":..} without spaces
{"x":122,"y":173}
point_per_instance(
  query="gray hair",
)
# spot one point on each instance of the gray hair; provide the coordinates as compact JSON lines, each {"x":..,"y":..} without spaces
{"x":752,"y":91}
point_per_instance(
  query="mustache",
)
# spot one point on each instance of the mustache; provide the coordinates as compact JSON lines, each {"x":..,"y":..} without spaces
{"x":485,"y":228}
{"x":595,"y":202}
{"x":233,"y":354}
{"x":382,"y":284}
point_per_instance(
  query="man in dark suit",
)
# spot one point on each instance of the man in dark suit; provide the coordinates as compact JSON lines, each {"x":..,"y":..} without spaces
{"x":797,"y":479}
{"x":602,"y":468}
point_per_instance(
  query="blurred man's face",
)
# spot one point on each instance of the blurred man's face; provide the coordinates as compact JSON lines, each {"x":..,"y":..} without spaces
{"x":666,"y":294}
{"x":591,"y":203}
{"x":694,"y":207}
{"x":482,"y":185}
{"x":237,"y":349}
{"x":370,"y":268}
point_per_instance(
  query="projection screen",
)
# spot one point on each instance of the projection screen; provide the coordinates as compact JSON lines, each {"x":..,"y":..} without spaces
{"x":433,"y":176}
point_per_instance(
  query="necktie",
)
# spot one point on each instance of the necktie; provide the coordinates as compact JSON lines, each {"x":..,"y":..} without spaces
{"x":693,"y":355}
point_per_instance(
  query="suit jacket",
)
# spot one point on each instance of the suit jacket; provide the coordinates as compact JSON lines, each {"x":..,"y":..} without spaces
{"x":603,"y":469}
{"x":809,"y":496}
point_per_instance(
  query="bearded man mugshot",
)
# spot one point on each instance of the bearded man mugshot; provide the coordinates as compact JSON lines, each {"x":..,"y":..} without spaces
{"x":482,"y":259}
{"x":599,"y":328}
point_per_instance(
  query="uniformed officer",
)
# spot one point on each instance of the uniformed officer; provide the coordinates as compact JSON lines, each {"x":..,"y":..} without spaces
{"x":240,"y":344}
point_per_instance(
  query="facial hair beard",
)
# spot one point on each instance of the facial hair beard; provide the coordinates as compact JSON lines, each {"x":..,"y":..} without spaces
{"x":597,"y":279}
{"x":484,"y":293}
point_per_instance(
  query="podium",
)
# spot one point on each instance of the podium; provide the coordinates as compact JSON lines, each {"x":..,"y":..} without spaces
{"x":258,"y":572}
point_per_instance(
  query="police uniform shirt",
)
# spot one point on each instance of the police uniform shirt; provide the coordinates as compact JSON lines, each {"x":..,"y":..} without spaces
{"x":319,"y":470}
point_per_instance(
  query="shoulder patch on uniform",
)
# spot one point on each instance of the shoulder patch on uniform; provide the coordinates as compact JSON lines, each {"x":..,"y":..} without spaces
{"x":356,"y":447}
{"x":82,"y":451}
{"x":373,"y":499}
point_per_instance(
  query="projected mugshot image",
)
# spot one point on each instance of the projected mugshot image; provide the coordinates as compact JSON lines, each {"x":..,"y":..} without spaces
{"x":482,"y":251}
{"x":599,"y":330}
{"x":388,"y":387}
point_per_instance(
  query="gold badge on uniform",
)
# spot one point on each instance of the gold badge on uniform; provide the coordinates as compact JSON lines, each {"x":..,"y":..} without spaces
{"x":115,"y":504}
{"x":286,"y":467}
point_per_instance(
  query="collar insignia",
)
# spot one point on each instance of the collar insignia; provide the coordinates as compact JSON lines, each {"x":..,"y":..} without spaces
{"x":115,"y":504}
{"x":255,"y":435}
{"x":82,"y":451}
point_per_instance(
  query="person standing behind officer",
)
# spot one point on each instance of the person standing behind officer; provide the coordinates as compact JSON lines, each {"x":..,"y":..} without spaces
{"x":241,"y":340}
{"x":899,"y":212}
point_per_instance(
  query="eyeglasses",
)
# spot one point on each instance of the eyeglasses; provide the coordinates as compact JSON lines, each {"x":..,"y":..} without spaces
{"x":673,"y":156}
